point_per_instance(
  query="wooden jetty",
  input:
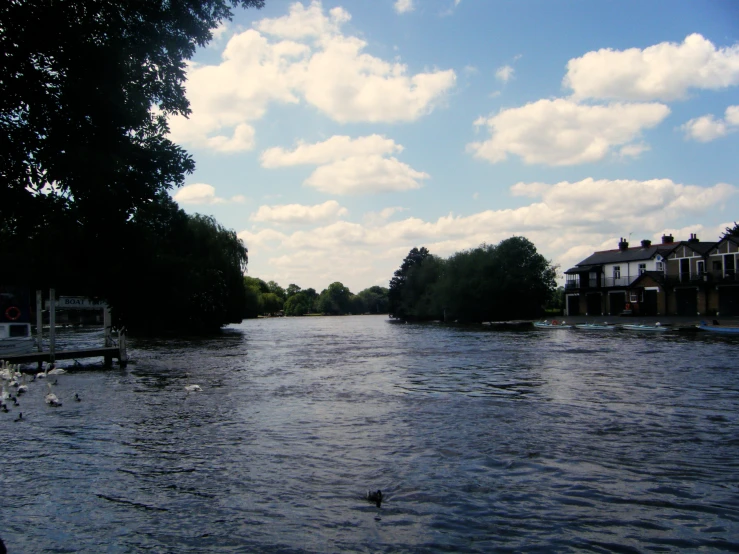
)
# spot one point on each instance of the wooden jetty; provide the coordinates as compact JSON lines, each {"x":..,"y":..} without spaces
{"x":110,"y":351}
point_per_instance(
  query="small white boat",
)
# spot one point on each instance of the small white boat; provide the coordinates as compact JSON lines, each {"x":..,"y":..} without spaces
{"x":642,"y":327}
{"x":15,"y":338}
{"x":596,"y":327}
{"x":554,"y":324}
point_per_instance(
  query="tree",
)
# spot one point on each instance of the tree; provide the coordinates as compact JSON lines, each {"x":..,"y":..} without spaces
{"x":85,"y":160}
{"x":732,"y":231}
{"x":397,"y":283}
{"x":375,"y":300}
{"x":335,"y":299}
{"x":277,"y":290}
{"x":297,"y":304}
{"x":292,"y":289}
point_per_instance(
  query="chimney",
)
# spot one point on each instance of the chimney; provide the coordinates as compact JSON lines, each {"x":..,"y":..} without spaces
{"x":668,"y":239}
{"x":693,"y":238}
{"x":623,"y":245}
{"x":646,"y":243}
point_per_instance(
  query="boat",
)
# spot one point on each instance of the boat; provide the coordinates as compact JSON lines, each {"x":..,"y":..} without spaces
{"x":596,"y":327}
{"x":15,"y":338}
{"x":554,"y":324}
{"x":657,"y":327}
{"x":715,"y":328}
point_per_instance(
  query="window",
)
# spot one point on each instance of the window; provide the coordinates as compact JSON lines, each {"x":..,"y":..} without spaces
{"x":642,"y":268}
{"x":700,"y":267}
{"x":633,"y":298}
{"x":660,"y":266}
{"x":616,"y":271}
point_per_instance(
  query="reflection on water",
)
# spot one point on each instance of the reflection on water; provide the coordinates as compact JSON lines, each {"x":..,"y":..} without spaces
{"x":480,"y":440}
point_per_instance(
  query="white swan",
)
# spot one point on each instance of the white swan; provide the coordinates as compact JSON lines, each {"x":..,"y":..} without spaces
{"x":51,"y":398}
{"x":53,"y":370}
{"x":22,"y":387}
{"x":192,"y":388}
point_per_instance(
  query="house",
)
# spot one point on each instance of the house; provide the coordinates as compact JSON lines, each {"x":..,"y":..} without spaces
{"x":672,"y":278}
{"x":721,"y":266}
{"x":624,"y":280}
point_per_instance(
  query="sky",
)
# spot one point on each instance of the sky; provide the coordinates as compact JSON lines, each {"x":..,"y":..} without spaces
{"x":334,"y":136}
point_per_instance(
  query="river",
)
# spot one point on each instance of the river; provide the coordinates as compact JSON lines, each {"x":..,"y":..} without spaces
{"x":520,"y":441}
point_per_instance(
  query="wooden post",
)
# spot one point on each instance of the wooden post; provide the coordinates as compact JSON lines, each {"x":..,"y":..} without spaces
{"x":39,"y":321}
{"x":107,"y":325}
{"x":52,"y":324}
{"x":122,"y":354}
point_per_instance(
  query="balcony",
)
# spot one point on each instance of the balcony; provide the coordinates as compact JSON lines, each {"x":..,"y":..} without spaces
{"x":601,"y":282}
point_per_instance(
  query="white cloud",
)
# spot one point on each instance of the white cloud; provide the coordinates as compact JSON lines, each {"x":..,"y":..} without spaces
{"x":300,"y":214}
{"x":665,"y":71}
{"x":707,"y":128}
{"x":403,"y":6}
{"x":300,"y":57}
{"x":335,"y":148}
{"x":504,"y":73}
{"x":350,"y":166}
{"x":365,"y":174}
{"x":561,"y":132}
{"x":202,"y":193}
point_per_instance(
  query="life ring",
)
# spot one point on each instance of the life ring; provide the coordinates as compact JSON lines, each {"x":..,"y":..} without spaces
{"x":628,"y":306}
{"x":13,"y":313}
{"x":555,"y":322}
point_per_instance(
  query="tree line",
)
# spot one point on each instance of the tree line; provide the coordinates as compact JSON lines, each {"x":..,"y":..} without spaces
{"x":510,"y":280}
{"x":269,"y":298}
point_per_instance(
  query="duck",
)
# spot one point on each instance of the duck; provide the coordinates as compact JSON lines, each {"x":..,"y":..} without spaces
{"x":20,"y":417}
{"x":51,"y":398}
{"x":77,"y":397}
{"x":375,"y":497}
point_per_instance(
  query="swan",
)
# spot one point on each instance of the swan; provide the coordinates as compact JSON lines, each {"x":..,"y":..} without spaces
{"x":192,"y":388}
{"x":51,"y":398}
{"x":53,"y":370}
{"x":22,"y":387}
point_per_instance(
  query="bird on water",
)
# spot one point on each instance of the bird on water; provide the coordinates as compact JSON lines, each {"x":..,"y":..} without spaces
{"x":375,"y":497}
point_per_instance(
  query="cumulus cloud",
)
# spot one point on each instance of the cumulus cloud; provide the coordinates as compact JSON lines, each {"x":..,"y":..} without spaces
{"x":664,"y":71}
{"x":202,"y":193}
{"x":403,"y":6}
{"x":562,"y":132}
{"x":350,"y":166}
{"x":504,"y":73}
{"x":300,"y":214}
{"x":301,"y":57}
{"x":707,"y":128}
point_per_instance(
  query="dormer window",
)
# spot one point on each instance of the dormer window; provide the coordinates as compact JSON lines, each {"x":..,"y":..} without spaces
{"x":642,"y":268}
{"x":616,"y":271}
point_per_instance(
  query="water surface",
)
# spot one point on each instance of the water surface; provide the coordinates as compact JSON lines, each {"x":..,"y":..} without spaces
{"x":538,"y":441}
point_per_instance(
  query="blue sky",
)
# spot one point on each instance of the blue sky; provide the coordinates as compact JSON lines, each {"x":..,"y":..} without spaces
{"x":334,"y":136}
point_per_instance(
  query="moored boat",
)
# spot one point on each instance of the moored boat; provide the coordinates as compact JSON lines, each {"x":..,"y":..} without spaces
{"x":15,"y":338}
{"x":657,"y":327}
{"x":724,"y":329}
{"x":596,"y":327}
{"x":554,"y":324}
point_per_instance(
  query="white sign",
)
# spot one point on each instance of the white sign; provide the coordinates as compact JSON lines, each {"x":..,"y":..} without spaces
{"x":77,"y":303}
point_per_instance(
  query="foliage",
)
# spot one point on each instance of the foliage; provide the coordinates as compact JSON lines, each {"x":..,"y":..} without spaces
{"x":732,"y":231}
{"x":374,"y":300}
{"x":85,"y":161}
{"x":298,"y":304}
{"x":334,"y":300}
{"x":507,"y":281}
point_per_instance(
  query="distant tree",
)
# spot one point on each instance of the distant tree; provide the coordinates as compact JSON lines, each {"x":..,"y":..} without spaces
{"x":335,"y":299}
{"x":272,"y":303}
{"x":732,"y":231}
{"x":292,"y":289}
{"x":375,"y":300}
{"x":397,"y":284}
{"x":274,"y":288}
{"x":298,"y":304}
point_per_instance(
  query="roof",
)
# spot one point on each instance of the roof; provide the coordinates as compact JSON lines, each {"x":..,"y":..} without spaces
{"x":628,"y":255}
{"x":579,"y":269}
{"x":700,"y":247}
